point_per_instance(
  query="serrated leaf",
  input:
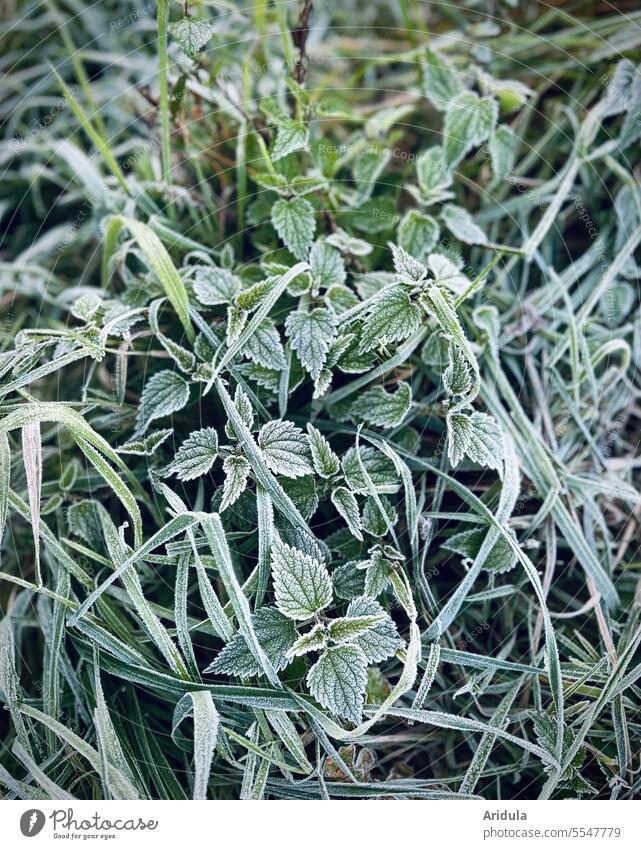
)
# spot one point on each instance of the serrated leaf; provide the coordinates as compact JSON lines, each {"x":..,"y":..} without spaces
{"x":457,"y":377}
{"x":213,"y":286}
{"x":441,"y":82}
{"x":275,"y":633}
{"x":385,"y":409}
{"x":447,"y":273}
{"x":377,"y":574}
{"x":348,"y":580}
{"x":325,"y":461}
{"x":347,"y":629}
{"x":348,"y":244}
{"x":502,"y":146}
{"x":326,"y":265}
{"x":469,"y":120}
{"x":236,"y":471}
{"x":338,"y":681}
{"x":145,"y":447}
{"x":285,"y":448}
{"x":290,"y":137}
{"x":313,"y":640}
{"x":468,"y":543}
{"x":295,"y":224}
{"x":417,"y":233}
{"x":392,"y":317}
{"x":236,"y":321}
{"x":310,"y":335}
{"x":302,"y":585}
{"x":165,"y":393}
{"x":196,"y":455}
{"x":407,"y":267}
{"x":459,"y":222}
{"x":433,"y":174}
{"x":345,"y":502}
{"x":459,"y":430}
{"x":381,"y":641}
{"x":486,"y":442}
{"x":373,"y":521}
{"x":265,"y":347}
{"x":192,"y":34}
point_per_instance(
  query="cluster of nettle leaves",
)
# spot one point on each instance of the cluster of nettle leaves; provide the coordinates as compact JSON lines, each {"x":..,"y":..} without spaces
{"x":304,"y":311}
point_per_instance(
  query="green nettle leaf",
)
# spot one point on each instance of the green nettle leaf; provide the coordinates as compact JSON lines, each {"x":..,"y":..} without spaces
{"x":418,"y":233}
{"x":326,"y":265}
{"x":459,"y":222}
{"x":310,"y":336}
{"x":347,"y":629}
{"x":196,"y":455}
{"x":313,"y":640}
{"x":367,"y":168}
{"x":486,"y":442}
{"x":326,"y":463}
{"x":373,"y":521}
{"x":433,"y":174}
{"x":338,"y":681}
{"x":286,"y":449}
{"x":392,"y":317}
{"x":145,"y":447}
{"x":502,"y":146}
{"x":457,"y":377}
{"x":348,"y":244}
{"x":213,"y":286}
{"x":442,"y":82}
{"x":275,"y":633}
{"x":459,"y":430}
{"x":408,"y":268}
{"x":236,"y":471}
{"x":381,"y":641}
{"x":192,"y":34}
{"x":165,"y":393}
{"x":385,"y":409}
{"x":295,"y":223}
{"x":265,"y":347}
{"x":379,"y":468}
{"x":447,"y":273}
{"x":302,"y":584}
{"x":377,"y":573}
{"x":469,"y":120}
{"x":345,"y":502}
{"x":468,"y":543}
{"x":290,"y":137}
{"x":348,"y":580}
{"x":236,"y":321}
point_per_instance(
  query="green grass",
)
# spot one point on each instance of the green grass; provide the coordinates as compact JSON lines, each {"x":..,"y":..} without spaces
{"x":319,"y":401}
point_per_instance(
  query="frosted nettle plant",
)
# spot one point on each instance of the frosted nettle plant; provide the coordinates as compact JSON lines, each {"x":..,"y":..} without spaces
{"x":319,"y":404}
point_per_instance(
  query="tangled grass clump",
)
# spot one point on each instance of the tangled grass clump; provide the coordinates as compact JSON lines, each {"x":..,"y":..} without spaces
{"x":319,"y":412}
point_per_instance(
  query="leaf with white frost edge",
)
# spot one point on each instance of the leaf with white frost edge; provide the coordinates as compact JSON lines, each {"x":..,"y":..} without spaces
{"x":391,"y":317}
{"x":347,"y":629}
{"x":264,"y":346}
{"x":462,"y":225}
{"x":338,"y":681}
{"x":196,"y":455}
{"x":285,"y":448}
{"x":213,"y":286}
{"x":407,"y":267}
{"x":275,"y":633}
{"x":295,"y":223}
{"x":192,"y":34}
{"x":290,"y":137}
{"x":469,"y":120}
{"x":326,"y":265}
{"x":165,"y":393}
{"x":345,"y":502}
{"x":457,"y":377}
{"x":145,"y":447}
{"x":310,"y":336}
{"x":302,"y":585}
{"x":385,"y":409}
{"x":326,"y":462}
{"x":237,"y":471}
{"x":313,"y":640}
{"x":381,"y":641}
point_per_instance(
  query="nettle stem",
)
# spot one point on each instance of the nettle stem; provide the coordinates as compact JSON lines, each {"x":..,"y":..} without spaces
{"x":162,"y":17}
